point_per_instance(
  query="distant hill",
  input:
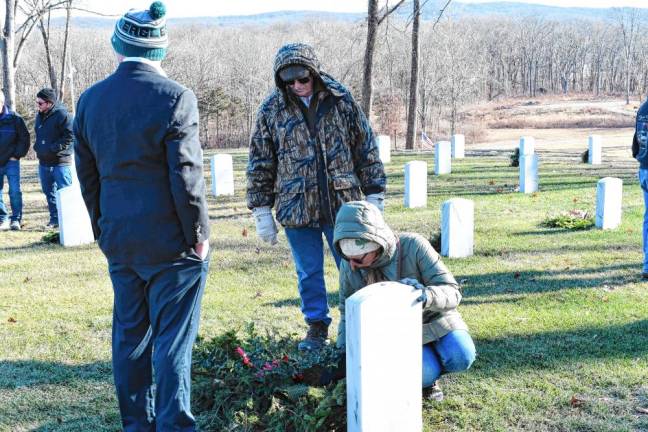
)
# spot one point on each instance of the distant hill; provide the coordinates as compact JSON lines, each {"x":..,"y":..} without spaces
{"x":430,"y":12}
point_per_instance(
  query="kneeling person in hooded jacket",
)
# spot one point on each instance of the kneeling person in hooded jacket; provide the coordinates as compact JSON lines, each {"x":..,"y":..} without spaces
{"x":371,"y":253}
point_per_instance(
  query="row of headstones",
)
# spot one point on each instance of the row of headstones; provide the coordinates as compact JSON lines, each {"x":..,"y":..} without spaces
{"x":222,"y":168}
{"x":71,"y":206}
{"x":529,"y":161}
{"x":458,"y":218}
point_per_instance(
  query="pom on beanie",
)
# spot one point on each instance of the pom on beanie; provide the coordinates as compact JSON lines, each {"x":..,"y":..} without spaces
{"x":157,"y":10}
{"x":142,"y":33}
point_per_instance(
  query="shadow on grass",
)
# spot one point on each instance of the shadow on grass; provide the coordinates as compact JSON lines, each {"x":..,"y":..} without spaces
{"x":332,"y":297}
{"x":526,"y":282}
{"x":560,"y":348}
{"x":30,"y":373}
{"x":40,"y":245}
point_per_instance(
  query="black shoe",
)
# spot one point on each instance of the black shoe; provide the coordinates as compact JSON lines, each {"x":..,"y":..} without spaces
{"x":433,"y":393}
{"x":644,"y":275}
{"x":316,"y":337}
{"x":52,"y":225}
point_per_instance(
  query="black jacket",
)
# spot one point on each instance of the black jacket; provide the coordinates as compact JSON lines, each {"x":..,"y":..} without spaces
{"x":54,"y":137}
{"x":14,"y":137}
{"x":140,"y":166}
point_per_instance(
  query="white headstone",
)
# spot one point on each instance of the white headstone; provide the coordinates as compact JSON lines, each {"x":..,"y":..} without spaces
{"x":384,"y":359}
{"x":222,"y":174}
{"x":442,"y":158}
{"x":74,"y":222}
{"x":457,"y":228}
{"x":594,"y":145}
{"x":384,"y":148}
{"x":458,"y":144}
{"x":527,"y":145}
{"x":528,"y":173}
{"x":415,"y":184}
{"x":609,"y":194}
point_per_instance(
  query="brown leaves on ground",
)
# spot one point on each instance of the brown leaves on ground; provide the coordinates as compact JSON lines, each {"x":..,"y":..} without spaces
{"x":244,"y":233}
{"x":12,"y":320}
{"x":576,"y":402}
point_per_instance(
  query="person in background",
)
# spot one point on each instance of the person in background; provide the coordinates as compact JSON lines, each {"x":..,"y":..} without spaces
{"x":14,"y":144}
{"x":312,"y":150}
{"x":53,"y":148}
{"x":640,"y":152}
{"x":140,"y":167}
{"x":371,"y":253}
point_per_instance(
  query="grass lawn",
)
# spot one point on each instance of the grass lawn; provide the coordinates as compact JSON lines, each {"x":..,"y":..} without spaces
{"x":560,"y":318}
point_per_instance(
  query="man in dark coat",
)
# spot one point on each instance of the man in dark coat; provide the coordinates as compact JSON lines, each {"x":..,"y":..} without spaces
{"x":640,"y":152}
{"x":140,"y":166}
{"x":14,"y":144}
{"x":53,"y":147}
{"x":311,"y":151}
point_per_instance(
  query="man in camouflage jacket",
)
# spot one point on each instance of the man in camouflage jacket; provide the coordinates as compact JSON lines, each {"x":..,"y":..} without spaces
{"x":311,"y":151}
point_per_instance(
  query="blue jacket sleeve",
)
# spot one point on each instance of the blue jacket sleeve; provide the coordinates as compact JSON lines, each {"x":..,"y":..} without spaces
{"x":65,"y":125}
{"x":87,"y":173}
{"x":23,"y":138}
{"x":185,"y":163}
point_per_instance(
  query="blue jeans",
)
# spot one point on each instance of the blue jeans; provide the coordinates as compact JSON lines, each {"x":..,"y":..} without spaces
{"x":52,"y":179}
{"x":12,"y":170}
{"x":308,"y":252}
{"x":454,"y":352}
{"x":155,"y":322}
{"x":643,"y":181}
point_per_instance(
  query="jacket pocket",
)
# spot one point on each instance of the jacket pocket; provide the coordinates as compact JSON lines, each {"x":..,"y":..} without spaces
{"x":290,"y":202}
{"x":346,"y":188}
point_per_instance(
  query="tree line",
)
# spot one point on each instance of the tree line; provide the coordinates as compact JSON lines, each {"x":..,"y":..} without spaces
{"x":459,"y":62}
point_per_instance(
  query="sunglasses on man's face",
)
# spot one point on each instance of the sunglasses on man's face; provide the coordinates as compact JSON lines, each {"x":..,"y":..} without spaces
{"x":298,"y":80}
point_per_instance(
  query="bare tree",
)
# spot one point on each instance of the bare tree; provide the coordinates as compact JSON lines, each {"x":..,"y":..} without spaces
{"x":374,"y":19}
{"x":628,"y":22}
{"x":7,"y":44}
{"x":45,"y":33}
{"x":14,"y":38}
{"x":413,"y":89}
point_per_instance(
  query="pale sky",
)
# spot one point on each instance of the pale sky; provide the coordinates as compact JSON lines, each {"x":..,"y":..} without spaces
{"x":187,"y":8}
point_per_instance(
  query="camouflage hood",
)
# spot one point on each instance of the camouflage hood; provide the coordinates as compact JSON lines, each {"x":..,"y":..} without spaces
{"x":295,"y":54}
{"x":303,"y":54}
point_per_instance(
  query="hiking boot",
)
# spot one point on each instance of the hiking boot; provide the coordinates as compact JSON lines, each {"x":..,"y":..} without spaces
{"x":15,"y":225}
{"x":433,"y":393}
{"x":51,"y":225}
{"x":4,"y":225}
{"x":644,"y":275}
{"x":316,"y":337}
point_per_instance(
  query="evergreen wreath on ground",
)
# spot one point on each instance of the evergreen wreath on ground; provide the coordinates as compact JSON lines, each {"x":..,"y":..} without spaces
{"x":575,"y":219}
{"x":261,"y":383}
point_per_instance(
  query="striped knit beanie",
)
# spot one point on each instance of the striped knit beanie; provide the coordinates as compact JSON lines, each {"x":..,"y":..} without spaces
{"x":142,"y":33}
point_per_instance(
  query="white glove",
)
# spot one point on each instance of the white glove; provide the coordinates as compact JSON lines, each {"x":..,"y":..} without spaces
{"x":377,"y":199}
{"x":266,"y":227}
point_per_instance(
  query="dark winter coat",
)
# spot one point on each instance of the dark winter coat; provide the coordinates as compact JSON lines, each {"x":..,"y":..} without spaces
{"x":308,"y":174}
{"x":14,"y":136}
{"x":140,"y":166}
{"x":640,"y":139}
{"x":411,"y":255}
{"x":54,"y":137}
